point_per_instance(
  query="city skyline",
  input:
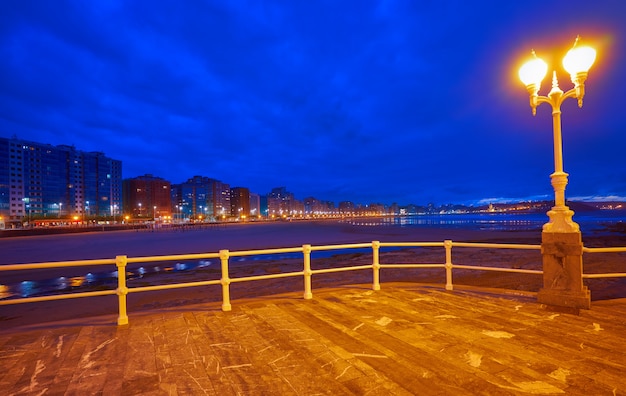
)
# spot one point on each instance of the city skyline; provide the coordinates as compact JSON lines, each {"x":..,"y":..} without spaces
{"x":364,"y":102}
{"x":26,"y":197}
{"x":51,"y":184}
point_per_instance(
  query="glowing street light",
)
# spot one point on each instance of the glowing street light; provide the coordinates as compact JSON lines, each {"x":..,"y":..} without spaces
{"x":28,"y":209}
{"x":577,"y":63}
{"x":179,"y":209}
{"x":561,"y":240}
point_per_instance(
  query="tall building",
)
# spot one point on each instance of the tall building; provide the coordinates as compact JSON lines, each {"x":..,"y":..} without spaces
{"x":279,"y":202}
{"x":191,"y":198}
{"x":347,"y":208}
{"x":201,"y":197}
{"x":39,"y":180}
{"x":282,"y":203}
{"x":147,"y":197}
{"x":220,"y":207}
{"x":255,"y":205}
{"x":315,"y":207}
{"x":240,"y":202}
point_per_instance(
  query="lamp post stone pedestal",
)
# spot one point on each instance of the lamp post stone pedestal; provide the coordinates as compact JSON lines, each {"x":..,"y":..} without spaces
{"x":562,"y":271}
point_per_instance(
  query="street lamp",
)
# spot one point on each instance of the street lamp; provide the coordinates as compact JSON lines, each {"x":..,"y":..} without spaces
{"x":561,"y":240}
{"x":28,"y":209}
{"x":577,"y":63}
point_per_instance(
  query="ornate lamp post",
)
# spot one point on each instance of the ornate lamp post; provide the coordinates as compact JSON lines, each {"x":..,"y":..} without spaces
{"x":561,"y":237}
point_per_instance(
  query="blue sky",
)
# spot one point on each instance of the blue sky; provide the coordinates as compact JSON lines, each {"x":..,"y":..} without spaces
{"x":369,"y":101}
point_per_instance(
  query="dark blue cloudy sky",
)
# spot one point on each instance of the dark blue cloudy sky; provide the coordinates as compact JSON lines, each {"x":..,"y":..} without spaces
{"x":369,"y":101}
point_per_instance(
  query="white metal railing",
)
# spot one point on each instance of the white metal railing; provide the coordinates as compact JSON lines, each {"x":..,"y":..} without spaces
{"x":605,"y":250}
{"x":121,"y":262}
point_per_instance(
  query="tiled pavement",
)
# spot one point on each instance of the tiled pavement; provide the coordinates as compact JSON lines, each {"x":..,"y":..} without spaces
{"x":404,"y":339}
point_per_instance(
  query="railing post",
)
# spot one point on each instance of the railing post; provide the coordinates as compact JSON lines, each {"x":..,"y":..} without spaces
{"x":122,"y":290}
{"x":447,"y":244}
{"x":376,"y":264}
{"x":306,"y":249}
{"x":224,"y":255}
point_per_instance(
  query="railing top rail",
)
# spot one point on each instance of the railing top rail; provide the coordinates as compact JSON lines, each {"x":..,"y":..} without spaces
{"x":496,"y":245}
{"x":605,"y":275}
{"x":146,"y":259}
{"x":413,"y":244}
{"x":604,"y":250}
{"x":346,"y":246}
{"x":297,"y":249}
{"x":239,"y":253}
{"x":55,"y":264}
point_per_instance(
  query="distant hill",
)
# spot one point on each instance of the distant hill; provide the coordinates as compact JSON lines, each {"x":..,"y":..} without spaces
{"x":544,"y":206}
{"x":582,"y":206}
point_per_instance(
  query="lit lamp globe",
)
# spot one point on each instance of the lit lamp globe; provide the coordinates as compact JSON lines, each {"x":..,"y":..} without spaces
{"x":531,"y":74}
{"x":577,"y":63}
{"x":579,"y":60}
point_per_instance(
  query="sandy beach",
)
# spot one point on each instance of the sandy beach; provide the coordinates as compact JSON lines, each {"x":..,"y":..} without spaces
{"x":236,"y":237}
{"x":96,"y":245}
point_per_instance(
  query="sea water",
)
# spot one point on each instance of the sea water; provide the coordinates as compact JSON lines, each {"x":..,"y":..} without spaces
{"x":591,"y":223}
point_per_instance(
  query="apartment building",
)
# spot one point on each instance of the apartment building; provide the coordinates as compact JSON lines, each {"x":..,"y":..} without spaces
{"x":39,"y":180}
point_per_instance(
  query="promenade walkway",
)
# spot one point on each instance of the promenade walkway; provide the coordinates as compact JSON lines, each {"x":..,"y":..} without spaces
{"x":405,"y":339}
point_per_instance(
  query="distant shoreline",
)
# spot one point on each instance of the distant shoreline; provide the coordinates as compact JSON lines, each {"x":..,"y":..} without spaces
{"x":613,"y":221}
{"x":25,"y":232}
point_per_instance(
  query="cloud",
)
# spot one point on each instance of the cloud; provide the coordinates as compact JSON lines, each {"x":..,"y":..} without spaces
{"x":375,"y":101}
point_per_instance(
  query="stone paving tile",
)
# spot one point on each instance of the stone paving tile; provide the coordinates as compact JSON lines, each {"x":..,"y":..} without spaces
{"x":402,"y":340}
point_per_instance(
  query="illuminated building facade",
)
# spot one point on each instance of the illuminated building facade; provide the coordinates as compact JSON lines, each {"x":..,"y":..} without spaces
{"x":347,"y":208}
{"x":43,"y":181}
{"x":279,"y":202}
{"x":200,"y":198}
{"x":315,"y":207}
{"x":255,"y":205}
{"x":220,"y":199}
{"x":240,"y":202}
{"x":147,"y":197}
